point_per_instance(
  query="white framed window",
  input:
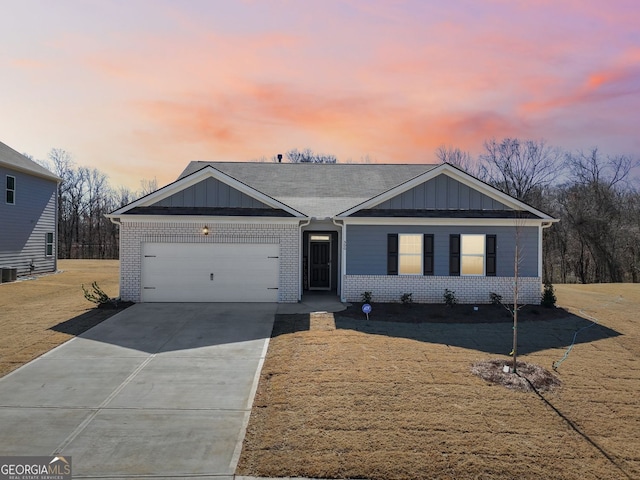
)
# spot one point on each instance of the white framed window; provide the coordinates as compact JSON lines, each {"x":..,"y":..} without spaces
{"x":49,"y":245}
{"x":11,"y":190}
{"x":409,"y":254}
{"x":472,"y":254}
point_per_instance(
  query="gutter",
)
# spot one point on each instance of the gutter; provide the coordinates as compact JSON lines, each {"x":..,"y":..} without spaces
{"x":303,"y":223}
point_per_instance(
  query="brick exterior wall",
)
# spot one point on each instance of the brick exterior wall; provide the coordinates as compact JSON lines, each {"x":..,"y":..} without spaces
{"x":430,"y":289}
{"x":133,"y":234}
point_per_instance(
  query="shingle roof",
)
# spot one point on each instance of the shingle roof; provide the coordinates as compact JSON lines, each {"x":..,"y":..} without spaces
{"x":12,"y":159}
{"x":317,"y":190}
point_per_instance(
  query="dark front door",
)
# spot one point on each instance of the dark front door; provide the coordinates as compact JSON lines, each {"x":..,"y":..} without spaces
{"x":320,"y":262}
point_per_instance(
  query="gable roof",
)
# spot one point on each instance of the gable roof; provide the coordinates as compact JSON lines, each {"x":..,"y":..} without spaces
{"x":322,"y":190}
{"x":318,"y":190}
{"x":146,"y":203}
{"x":458,"y":175}
{"x":10,"y":158}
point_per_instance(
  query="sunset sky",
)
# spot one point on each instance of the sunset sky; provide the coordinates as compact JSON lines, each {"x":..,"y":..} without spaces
{"x":140,"y":88}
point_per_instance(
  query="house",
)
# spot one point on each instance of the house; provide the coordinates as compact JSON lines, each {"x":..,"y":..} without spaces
{"x":28,"y":213}
{"x":269,"y":232}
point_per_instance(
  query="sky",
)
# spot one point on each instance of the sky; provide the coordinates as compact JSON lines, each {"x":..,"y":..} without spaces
{"x":138,"y":88}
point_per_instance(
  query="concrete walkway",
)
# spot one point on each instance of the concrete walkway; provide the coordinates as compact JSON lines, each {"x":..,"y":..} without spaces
{"x":312,"y":303}
{"x":159,"y":391}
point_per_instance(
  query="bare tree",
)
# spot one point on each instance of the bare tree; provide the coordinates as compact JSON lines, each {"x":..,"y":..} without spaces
{"x":597,"y":207}
{"x":148,"y":186}
{"x":457,"y":157}
{"x":521,"y":168}
{"x":308,"y":156}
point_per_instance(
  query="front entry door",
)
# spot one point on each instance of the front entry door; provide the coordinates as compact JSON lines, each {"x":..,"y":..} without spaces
{"x":320,"y":264}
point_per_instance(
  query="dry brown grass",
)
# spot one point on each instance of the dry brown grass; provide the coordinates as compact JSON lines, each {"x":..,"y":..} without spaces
{"x":387,"y":400}
{"x":40,"y":314}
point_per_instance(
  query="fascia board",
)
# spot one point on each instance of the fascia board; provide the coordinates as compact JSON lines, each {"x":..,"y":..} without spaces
{"x":196,"y":177}
{"x":201,"y":219}
{"x":471,"y":222}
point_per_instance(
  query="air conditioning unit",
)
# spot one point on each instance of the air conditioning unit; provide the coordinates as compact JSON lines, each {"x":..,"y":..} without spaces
{"x":9,"y":274}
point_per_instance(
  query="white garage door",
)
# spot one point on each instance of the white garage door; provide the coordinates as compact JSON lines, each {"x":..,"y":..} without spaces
{"x":207,"y":272}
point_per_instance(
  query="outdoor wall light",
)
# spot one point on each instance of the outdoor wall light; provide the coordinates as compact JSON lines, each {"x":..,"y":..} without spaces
{"x":205,"y":230}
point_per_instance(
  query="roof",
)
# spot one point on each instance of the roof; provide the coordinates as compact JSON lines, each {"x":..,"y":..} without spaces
{"x":323,"y":191}
{"x":319,"y":190}
{"x":17,"y":161}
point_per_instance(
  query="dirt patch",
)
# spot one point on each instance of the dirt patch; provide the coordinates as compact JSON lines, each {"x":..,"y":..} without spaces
{"x":395,"y":400}
{"x":45,"y":311}
{"x":526,"y":378}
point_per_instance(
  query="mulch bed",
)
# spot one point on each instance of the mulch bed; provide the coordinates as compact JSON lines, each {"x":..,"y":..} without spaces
{"x":440,"y":313}
{"x":528,"y":376}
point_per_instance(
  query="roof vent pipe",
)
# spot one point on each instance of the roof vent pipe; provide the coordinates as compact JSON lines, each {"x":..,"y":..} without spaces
{"x":279,"y":158}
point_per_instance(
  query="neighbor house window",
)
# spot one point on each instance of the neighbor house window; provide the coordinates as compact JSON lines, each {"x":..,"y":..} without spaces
{"x":410,"y":254}
{"x":472,"y":255}
{"x":49,"y":245}
{"x":11,"y":189}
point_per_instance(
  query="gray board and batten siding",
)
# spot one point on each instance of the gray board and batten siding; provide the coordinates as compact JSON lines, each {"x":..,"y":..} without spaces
{"x":441,"y":193}
{"x":211,"y":193}
{"x":26,"y":222}
{"x":367,"y":247}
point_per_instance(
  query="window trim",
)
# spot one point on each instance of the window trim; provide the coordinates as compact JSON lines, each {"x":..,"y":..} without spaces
{"x":48,"y":244}
{"x":10,"y":190}
{"x":474,"y":255}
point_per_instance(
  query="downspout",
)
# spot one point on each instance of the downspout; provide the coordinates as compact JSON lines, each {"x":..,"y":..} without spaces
{"x":116,"y":221}
{"x":303,"y":223}
{"x":343,"y":256}
{"x":543,"y":225}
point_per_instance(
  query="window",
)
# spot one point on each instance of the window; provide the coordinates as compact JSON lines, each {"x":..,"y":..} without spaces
{"x":11,"y":190}
{"x":410,"y":254}
{"x":472,"y":255}
{"x":49,"y":245}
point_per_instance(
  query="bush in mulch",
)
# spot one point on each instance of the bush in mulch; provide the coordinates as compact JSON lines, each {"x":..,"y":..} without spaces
{"x":527,"y":377}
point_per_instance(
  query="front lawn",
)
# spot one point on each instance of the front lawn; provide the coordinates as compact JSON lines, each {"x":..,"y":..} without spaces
{"x":44,"y":311}
{"x":391,"y":400}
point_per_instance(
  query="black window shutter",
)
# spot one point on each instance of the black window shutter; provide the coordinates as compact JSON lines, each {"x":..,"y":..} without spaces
{"x":454,"y":255}
{"x":491,"y":255}
{"x":392,"y":254}
{"x":427,"y":256}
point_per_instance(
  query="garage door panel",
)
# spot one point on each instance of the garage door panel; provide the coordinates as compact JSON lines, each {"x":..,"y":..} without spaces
{"x":177,"y":272}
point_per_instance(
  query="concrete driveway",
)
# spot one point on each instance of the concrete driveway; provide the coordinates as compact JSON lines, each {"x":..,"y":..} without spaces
{"x":161,"y":390}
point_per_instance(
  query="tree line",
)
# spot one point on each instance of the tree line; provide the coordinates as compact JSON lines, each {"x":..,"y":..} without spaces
{"x":595,"y":197}
{"x":84,"y":197}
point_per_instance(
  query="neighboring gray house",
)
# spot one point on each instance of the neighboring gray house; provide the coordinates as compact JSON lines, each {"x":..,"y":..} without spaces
{"x":271,"y":231}
{"x":28,"y":214}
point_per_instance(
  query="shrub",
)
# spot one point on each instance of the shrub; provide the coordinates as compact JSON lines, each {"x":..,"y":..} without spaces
{"x":406,"y":298}
{"x":548,"y":296}
{"x":450,"y":298}
{"x":496,"y":299}
{"x":366,"y":297}
{"x":98,"y":296}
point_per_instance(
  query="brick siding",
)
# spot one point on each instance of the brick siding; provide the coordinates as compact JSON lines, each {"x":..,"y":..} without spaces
{"x":134,"y":234}
{"x":430,"y":289}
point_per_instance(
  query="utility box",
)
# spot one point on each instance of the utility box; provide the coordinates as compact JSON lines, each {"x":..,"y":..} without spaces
{"x":9,"y":274}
